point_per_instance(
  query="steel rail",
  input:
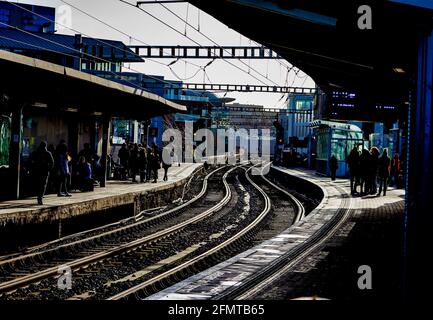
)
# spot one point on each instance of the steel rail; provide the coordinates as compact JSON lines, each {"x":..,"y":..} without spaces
{"x":206,"y":255}
{"x":53,"y":271}
{"x":255,"y":284}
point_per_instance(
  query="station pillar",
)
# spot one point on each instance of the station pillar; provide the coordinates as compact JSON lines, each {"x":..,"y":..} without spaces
{"x":418,"y":220}
{"x":104,"y":155}
{"x":15,"y":149}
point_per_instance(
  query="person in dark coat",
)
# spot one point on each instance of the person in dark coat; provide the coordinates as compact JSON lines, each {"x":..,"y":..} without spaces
{"x":333,"y":166}
{"x":395,"y":169}
{"x":86,"y":152}
{"x":155,"y":163}
{"x":353,"y":163}
{"x":364,"y":165}
{"x":123,"y":155}
{"x":84,"y":170}
{"x":383,"y":171}
{"x":142,"y":165}
{"x":150,"y":161}
{"x":134,"y":162}
{"x":63,"y":167}
{"x":42,"y":163}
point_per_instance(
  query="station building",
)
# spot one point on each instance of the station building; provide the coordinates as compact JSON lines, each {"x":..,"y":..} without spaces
{"x":34,"y":107}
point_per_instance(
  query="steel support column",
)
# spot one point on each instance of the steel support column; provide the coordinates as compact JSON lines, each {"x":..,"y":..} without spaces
{"x":15,"y":149}
{"x":105,"y":136}
{"x":419,"y":185}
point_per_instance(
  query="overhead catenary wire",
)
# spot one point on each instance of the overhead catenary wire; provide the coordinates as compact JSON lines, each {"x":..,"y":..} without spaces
{"x":189,"y":38}
{"x":113,"y":28}
{"x":141,"y":41}
{"x":111,"y":45}
{"x":211,"y":40}
{"x":98,"y":40}
{"x":138,"y":40}
{"x":208,"y":38}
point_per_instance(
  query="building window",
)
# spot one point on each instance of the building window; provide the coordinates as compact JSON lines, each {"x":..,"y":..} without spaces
{"x":120,"y":131}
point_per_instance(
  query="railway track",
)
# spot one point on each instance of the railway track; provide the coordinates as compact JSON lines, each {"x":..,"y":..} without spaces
{"x":240,"y":241}
{"x":209,"y":228}
{"x":43,"y":263}
{"x":266,"y":276}
{"x":191,"y":192}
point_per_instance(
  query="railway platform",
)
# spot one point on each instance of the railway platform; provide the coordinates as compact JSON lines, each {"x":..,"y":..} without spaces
{"x":116,"y":194}
{"x":318,"y":257}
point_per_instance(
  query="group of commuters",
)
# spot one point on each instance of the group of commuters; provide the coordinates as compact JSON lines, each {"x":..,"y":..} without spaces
{"x":369,"y":170}
{"x":136,"y":159}
{"x":53,"y":167}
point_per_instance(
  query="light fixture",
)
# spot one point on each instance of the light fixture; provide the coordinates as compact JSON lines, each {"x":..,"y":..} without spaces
{"x":398,"y":70}
{"x":71,"y":110}
{"x":40,"y":105}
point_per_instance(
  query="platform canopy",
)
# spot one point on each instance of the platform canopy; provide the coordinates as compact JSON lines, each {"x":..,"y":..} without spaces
{"x":32,"y":81}
{"x":323,"y":39}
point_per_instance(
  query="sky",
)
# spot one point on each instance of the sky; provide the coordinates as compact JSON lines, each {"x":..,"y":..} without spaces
{"x":136,"y":24}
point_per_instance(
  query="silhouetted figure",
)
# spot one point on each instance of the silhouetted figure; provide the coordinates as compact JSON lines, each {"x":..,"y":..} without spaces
{"x":142,"y":158}
{"x":395,"y":170}
{"x":150,"y":161}
{"x":364,"y":165}
{"x":155,"y":163}
{"x":123,"y":155}
{"x":42,"y":163}
{"x":85,"y":179}
{"x":374,"y":164}
{"x":134,"y":162}
{"x":86,"y":152}
{"x":63,"y":167}
{"x":333,"y":166}
{"x":383,"y":171}
{"x":353,"y":163}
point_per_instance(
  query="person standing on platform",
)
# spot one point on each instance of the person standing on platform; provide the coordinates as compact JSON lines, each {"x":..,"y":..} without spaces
{"x":123,"y":156}
{"x":42,"y":163}
{"x":383,"y":171}
{"x":63,"y":166}
{"x":353,"y":163}
{"x":155,"y":163}
{"x":134,"y":162}
{"x":333,"y":166}
{"x":364,"y":164}
{"x":142,"y":158}
{"x":150,"y":162}
{"x":395,"y":170}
